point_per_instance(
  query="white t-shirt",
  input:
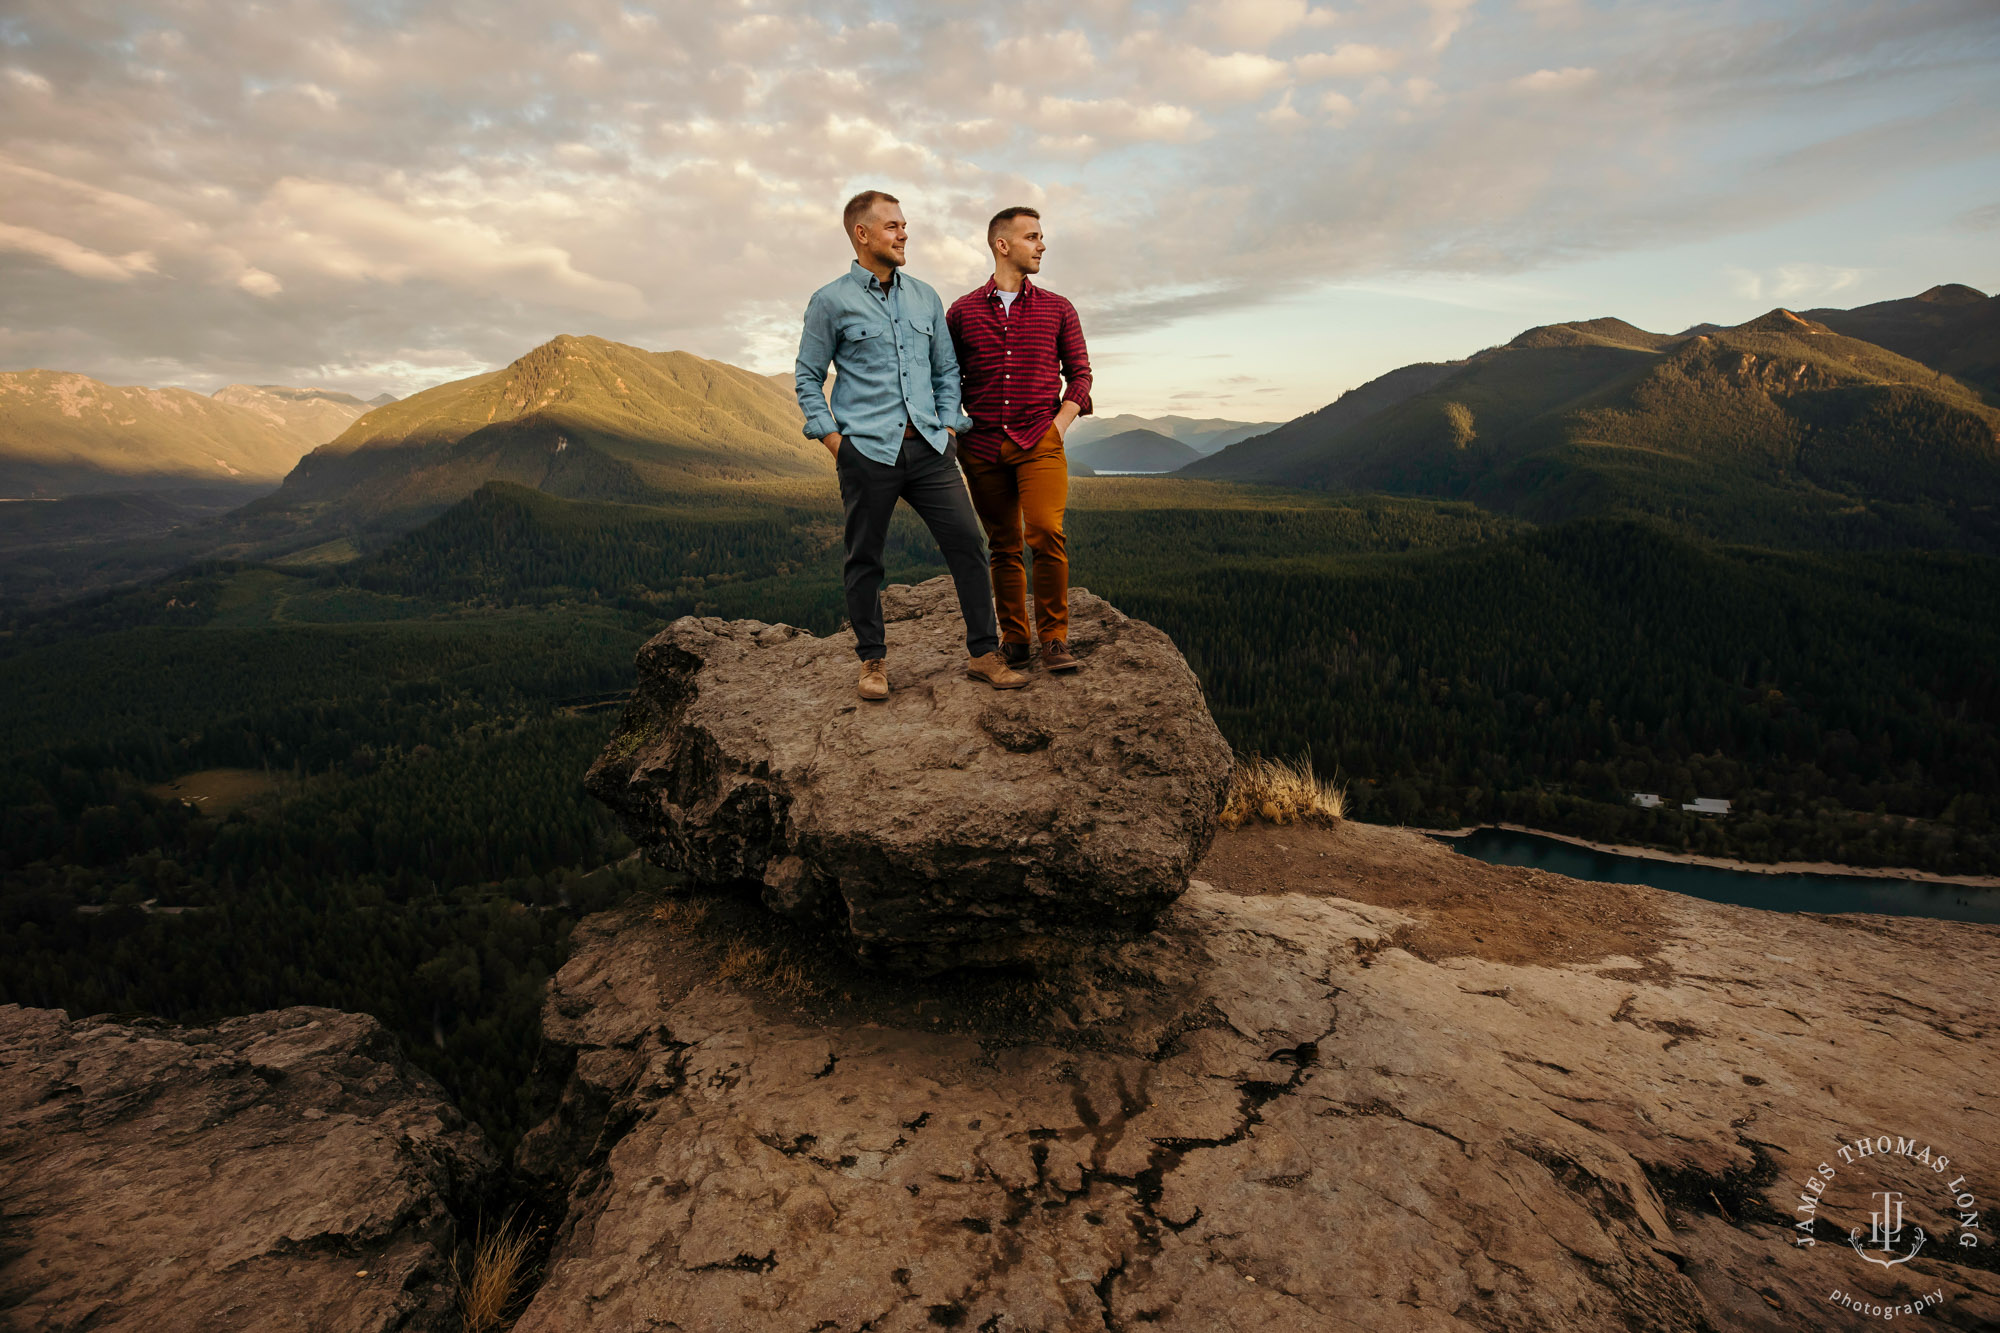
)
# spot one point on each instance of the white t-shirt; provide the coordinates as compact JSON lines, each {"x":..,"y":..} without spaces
{"x":1006,"y":300}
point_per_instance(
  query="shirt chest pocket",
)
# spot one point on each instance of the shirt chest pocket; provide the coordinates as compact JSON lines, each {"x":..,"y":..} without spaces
{"x":866,"y":345}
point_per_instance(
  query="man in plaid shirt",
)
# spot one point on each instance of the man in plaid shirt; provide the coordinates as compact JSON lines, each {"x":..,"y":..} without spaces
{"x":1026,"y":378}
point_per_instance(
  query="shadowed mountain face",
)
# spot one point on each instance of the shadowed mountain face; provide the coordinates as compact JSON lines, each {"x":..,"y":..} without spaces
{"x":579,"y":417}
{"x":1279,"y":455}
{"x":1203,"y":435}
{"x":1950,"y":328}
{"x":68,"y":434}
{"x":1133,"y":451}
{"x":1778,"y":429}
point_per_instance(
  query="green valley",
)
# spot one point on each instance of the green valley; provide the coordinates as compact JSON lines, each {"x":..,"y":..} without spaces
{"x":1755,"y":563}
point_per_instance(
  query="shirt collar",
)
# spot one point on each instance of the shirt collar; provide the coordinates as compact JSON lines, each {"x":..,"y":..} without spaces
{"x":992,"y":288}
{"x":867,"y":279}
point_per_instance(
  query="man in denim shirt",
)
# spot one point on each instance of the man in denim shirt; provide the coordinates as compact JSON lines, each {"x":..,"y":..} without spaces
{"x":892,"y":429}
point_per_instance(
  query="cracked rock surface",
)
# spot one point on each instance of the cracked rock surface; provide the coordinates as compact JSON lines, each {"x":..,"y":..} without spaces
{"x":1354,"y":1081}
{"x":950,"y":823}
{"x":286,"y":1170}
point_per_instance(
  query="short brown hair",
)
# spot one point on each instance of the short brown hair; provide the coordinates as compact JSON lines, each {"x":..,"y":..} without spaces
{"x":857,"y":207}
{"x":1007,"y":215}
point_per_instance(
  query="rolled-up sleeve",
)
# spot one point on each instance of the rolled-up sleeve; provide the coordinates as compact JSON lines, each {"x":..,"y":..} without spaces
{"x":809,"y":376}
{"x":1075,"y":359}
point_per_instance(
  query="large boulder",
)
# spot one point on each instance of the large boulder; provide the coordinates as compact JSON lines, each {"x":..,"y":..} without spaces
{"x":949,"y":824}
{"x":288,"y":1170}
{"x":1353,"y":1081}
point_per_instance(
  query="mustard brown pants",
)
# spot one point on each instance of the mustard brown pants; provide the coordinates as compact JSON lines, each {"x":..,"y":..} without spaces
{"x":1019,"y":498}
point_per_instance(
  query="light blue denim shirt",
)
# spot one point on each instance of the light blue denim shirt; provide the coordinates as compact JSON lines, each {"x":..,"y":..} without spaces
{"x":895,"y":364}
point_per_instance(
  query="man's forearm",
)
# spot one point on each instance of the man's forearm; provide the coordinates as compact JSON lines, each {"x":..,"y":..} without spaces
{"x":1066,"y":416}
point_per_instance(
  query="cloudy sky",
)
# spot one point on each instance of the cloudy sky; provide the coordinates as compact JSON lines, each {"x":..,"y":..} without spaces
{"x":1255,"y":203}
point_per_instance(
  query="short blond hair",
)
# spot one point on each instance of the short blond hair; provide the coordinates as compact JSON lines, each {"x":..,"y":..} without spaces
{"x":857,"y":207}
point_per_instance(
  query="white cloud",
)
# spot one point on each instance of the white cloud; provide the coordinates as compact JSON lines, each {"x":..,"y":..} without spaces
{"x":1346,"y":59}
{"x":1283,"y":116}
{"x":259,"y":283}
{"x":1039,"y":58}
{"x":1116,"y":118}
{"x":1979,"y":219}
{"x":461,"y":181}
{"x":1337,"y":107}
{"x":1254,"y":24}
{"x":1566,"y":79}
{"x":1794,"y":284}
{"x":1204,"y":76}
{"x":350,"y":234}
{"x":1446,"y":18}
{"x":67,"y":255}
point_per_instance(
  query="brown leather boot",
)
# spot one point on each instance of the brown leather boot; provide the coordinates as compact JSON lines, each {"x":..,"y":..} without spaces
{"x":1056,"y":656}
{"x":874,"y":683}
{"x":993,"y":669}
{"x":1017,"y":654}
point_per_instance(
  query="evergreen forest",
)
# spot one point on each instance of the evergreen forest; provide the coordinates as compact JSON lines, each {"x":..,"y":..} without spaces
{"x":358,"y":783}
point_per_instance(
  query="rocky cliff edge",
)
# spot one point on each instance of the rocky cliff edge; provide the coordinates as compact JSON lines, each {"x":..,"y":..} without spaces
{"x":1354,"y":1081}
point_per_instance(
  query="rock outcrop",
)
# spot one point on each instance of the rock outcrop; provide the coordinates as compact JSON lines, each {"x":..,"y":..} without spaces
{"x":287,"y":1170}
{"x":1353,"y":1081}
{"x":950,"y":823}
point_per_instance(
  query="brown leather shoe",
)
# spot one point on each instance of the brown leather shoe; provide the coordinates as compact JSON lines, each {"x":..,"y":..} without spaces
{"x":1017,"y":654}
{"x":874,"y":683}
{"x":993,"y":669}
{"x":1056,"y":656}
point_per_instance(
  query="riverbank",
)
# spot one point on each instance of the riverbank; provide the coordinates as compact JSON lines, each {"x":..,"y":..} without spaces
{"x":1724,"y":863}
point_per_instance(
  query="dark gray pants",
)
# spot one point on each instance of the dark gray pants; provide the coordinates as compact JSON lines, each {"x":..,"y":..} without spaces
{"x":933,"y":486}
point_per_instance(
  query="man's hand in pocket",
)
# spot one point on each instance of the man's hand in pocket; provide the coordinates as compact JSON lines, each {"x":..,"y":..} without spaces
{"x":832,"y":443}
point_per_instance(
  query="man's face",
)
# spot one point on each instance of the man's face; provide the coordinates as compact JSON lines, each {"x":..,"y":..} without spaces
{"x":882,"y":234}
{"x":1021,"y":241}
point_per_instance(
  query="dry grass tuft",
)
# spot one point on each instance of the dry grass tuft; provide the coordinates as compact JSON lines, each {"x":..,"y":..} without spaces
{"x":681,"y":916}
{"x":499,"y":1263}
{"x":1281,"y":791}
{"x":768,"y":969}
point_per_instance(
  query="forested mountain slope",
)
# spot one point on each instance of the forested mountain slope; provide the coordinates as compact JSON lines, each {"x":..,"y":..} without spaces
{"x":1951,"y":327}
{"x":1779,"y":430}
{"x":581,"y":417}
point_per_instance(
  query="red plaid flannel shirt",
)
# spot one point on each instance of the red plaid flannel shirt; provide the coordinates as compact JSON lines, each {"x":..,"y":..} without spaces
{"x":1017,"y":368}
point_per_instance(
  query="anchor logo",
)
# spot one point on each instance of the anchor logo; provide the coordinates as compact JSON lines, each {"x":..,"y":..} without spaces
{"x":1886,"y":1231}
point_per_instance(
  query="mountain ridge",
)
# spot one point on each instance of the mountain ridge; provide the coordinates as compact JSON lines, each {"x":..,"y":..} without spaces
{"x":1133,"y":451}
{"x":580,"y":416}
{"x":1205,"y":435}
{"x":65,"y":433}
{"x":1778,"y":425}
